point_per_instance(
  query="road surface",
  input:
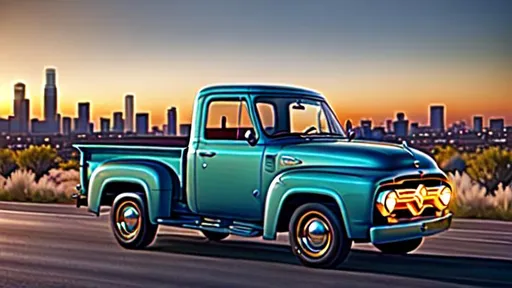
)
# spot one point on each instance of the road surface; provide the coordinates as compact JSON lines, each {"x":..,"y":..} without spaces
{"x":61,"y":246}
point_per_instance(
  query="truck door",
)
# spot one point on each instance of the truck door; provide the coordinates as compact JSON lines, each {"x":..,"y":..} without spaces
{"x":227,"y":167}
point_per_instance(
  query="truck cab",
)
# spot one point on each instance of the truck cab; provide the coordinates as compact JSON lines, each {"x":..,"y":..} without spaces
{"x":263,"y":159}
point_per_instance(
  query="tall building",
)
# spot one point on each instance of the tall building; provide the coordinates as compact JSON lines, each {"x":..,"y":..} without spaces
{"x":389,"y":126}
{"x":437,"y":118}
{"x":19,"y":96}
{"x":401,"y":125}
{"x":171,"y":121}
{"x":84,"y":117}
{"x":415,"y":128}
{"x":16,"y":123}
{"x":497,"y":124}
{"x":104,"y":125}
{"x":23,"y":118}
{"x":66,"y":125}
{"x":366,"y":129}
{"x":50,"y":101}
{"x":142,"y":123}
{"x":118,"y":122}
{"x":75,"y":124}
{"x":185,"y":130}
{"x":478,"y":123}
{"x":129,"y":111}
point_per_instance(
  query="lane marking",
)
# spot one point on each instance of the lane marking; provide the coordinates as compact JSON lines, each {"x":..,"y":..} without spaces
{"x":58,"y":215}
{"x":477,"y":231}
{"x":477,"y":240}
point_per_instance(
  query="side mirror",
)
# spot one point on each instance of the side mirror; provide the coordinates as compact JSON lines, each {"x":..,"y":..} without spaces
{"x":351,"y":135}
{"x":250,"y":137}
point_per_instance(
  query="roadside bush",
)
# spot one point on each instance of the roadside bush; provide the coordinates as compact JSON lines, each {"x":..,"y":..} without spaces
{"x":19,"y":186}
{"x":7,"y":162}
{"x":56,"y":186}
{"x":69,"y":165}
{"x":38,"y":159}
{"x":490,"y":168}
{"x":470,"y":201}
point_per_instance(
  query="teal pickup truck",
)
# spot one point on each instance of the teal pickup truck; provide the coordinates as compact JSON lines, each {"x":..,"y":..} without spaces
{"x":263,"y":159}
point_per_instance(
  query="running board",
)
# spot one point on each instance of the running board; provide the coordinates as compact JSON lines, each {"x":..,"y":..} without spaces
{"x":214,"y":225}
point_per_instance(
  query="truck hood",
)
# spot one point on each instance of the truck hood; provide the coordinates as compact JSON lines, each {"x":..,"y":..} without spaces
{"x":358,"y":154}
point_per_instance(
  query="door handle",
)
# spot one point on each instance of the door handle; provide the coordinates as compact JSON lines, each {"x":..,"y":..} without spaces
{"x":207,"y":154}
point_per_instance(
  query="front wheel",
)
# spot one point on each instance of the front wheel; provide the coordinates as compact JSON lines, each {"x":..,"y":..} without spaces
{"x":317,"y":236}
{"x":400,"y":247}
{"x":129,"y":220}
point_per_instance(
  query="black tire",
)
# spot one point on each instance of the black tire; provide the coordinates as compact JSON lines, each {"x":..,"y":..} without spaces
{"x":401,"y":247}
{"x":214,"y":236}
{"x":334,"y":243}
{"x":145,"y":232}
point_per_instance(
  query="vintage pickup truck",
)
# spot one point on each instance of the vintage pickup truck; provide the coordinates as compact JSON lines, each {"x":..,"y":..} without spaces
{"x":263,"y":159}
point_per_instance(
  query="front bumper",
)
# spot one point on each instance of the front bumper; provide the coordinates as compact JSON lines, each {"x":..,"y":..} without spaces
{"x":407,"y":231}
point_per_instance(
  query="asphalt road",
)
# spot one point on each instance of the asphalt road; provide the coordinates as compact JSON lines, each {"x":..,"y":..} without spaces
{"x":61,"y":246}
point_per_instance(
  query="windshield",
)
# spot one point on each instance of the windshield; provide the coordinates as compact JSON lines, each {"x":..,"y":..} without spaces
{"x":285,"y":116}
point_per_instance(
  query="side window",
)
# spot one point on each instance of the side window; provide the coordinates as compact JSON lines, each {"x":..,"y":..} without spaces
{"x":267,"y":116}
{"x":227,"y":120}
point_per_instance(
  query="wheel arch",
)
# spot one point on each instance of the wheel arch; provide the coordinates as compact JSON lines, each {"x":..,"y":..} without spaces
{"x":274,"y":213}
{"x":154,"y":180}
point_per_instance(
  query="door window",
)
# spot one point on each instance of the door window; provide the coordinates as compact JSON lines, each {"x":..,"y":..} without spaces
{"x":227,"y":120}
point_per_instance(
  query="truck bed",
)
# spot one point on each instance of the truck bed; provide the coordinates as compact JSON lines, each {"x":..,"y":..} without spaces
{"x":164,"y":141}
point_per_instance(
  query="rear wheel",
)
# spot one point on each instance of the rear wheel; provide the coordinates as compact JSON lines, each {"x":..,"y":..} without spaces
{"x":401,"y":247}
{"x":129,"y":221}
{"x":317,"y":236}
{"x":214,"y":236}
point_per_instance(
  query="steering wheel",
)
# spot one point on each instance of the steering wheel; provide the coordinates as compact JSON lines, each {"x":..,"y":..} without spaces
{"x":310,"y":129}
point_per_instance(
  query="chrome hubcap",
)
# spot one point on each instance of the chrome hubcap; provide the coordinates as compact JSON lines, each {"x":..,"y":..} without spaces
{"x":128,"y":220}
{"x":314,"y":235}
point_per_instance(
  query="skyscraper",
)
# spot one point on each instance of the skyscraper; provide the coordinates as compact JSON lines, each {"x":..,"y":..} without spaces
{"x":118,"y":122}
{"x":20,"y":121}
{"x":50,"y":101}
{"x":104,"y":125}
{"x":478,"y":123}
{"x":83,"y":117}
{"x":142,"y":123}
{"x":19,"y":96}
{"x":497,"y":124}
{"x":129,"y":111}
{"x":171,"y":121}
{"x":24,"y":116}
{"x":66,"y":125}
{"x":401,"y":126}
{"x":437,"y":118}
{"x":366,"y":127}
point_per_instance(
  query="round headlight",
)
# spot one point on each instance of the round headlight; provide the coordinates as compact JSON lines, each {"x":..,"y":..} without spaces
{"x":390,"y":201}
{"x":445,"y":196}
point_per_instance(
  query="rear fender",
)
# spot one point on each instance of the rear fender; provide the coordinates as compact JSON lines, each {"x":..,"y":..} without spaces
{"x":154,"y":178}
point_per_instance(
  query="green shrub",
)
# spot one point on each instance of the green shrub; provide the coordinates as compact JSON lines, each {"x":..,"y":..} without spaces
{"x":69,"y":165}
{"x":7,"y":162}
{"x":38,"y":159}
{"x":490,"y":168}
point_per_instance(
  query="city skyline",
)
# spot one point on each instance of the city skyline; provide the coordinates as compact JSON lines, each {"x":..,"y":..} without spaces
{"x":366,"y":62}
{"x":127,"y":117}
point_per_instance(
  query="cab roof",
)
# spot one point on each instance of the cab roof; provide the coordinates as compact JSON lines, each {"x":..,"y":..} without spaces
{"x":282,"y":90}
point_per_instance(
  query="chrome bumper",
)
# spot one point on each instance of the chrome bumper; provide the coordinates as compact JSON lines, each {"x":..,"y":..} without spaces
{"x":400,"y":232}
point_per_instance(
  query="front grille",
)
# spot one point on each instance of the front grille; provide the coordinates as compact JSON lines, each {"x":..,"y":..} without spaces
{"x":413,"y":202}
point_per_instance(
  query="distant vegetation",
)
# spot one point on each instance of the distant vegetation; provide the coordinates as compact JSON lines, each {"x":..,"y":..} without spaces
{"x":482,"y":180}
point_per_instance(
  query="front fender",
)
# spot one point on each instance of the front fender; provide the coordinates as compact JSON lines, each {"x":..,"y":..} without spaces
{"x":351,"y":192}
{"x":155,"y":179}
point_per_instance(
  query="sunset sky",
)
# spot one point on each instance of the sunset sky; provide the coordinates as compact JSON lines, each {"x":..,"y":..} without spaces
{"x":370,"y":58}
